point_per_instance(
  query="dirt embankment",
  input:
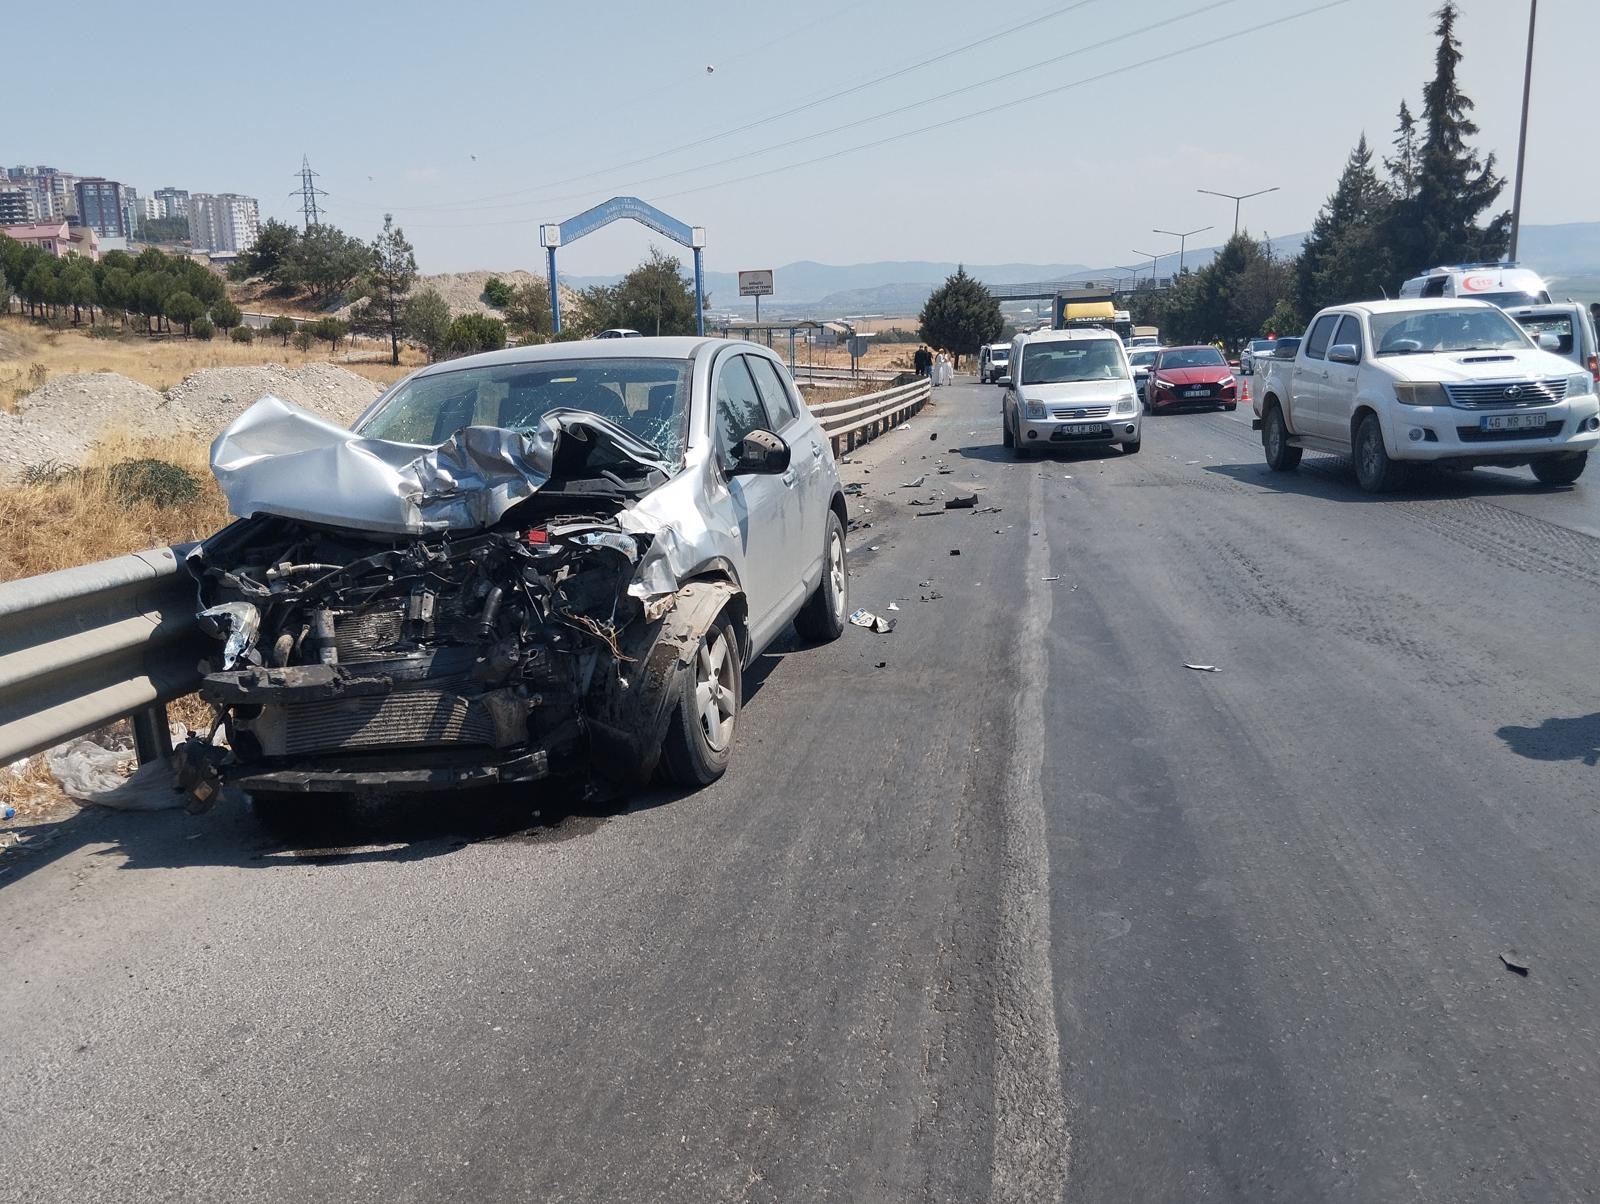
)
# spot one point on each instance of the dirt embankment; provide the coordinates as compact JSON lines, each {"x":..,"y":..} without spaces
{"x":61,"y":420}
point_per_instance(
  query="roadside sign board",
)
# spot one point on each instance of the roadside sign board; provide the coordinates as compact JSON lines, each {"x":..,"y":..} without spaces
{"x":857,"y":346}
{"x":756,"y":284}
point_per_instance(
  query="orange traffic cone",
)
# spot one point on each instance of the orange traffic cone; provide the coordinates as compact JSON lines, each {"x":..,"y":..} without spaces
{"x":1244,"y":388}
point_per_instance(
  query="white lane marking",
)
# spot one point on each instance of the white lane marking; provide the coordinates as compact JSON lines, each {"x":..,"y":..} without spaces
{"x":1032,"y":1148}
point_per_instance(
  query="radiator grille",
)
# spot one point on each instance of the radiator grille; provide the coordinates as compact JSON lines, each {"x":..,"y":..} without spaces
{"x":410,"y":718}
{"x":1509,"y":394}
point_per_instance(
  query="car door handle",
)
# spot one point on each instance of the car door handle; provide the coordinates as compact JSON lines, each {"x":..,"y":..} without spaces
{"x":816,"y":451}
{"x":790,"y":477}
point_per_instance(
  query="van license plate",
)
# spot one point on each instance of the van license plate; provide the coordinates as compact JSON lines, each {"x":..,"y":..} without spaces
{"x":1512,"y":422}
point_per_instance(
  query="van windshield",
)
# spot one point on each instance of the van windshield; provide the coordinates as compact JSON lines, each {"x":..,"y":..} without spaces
{"x":1000,"y":355}
{"x":1062,"y":363}
{"x":1513,"y":300}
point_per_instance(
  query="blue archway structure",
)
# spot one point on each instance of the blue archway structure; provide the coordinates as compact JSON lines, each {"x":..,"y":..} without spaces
{"x":551,"y":237}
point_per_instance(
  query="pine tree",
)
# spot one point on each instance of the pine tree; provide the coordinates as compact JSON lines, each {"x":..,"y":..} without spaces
{"x":1438,"y":223}
{"x":1344,"y":258}
{"x":961,"y":316}
{"x":1402,"y":168}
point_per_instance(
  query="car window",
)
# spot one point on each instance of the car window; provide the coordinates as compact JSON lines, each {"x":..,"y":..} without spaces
{"x":1350,"y":332}
{"x":1191,"y":357}
{"x":780,"y":404}
{"x":1419,"y":332}
{"x":1560,"y":325}
{"x":739,"y":408}
{"x":1321,"y":332}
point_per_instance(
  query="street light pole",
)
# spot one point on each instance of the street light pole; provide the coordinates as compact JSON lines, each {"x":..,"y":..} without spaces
{"x":1522,"y":134}
{"x":1183,"y":241}
{"x":1238,"y":198}
{"x":1153,"y":258}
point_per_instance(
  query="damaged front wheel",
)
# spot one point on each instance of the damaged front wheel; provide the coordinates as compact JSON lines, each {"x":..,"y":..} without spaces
{"x":700,"y":737}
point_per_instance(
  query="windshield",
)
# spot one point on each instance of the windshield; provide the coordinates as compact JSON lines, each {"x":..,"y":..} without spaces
{"x":1193,"y":357}
{"x":1416,"y":333}
{"x":1063,"y":362}
{"x":649,"y":398}
{"x":1512,"y":300}
{"x":1265,"y":345}
{"x":1000,"y":355}
{"x":1142,"y":359}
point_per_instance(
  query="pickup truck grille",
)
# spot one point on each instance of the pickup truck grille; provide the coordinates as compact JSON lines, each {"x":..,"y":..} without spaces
{"x":1068,"y":412}
{"x":1508,"y":395}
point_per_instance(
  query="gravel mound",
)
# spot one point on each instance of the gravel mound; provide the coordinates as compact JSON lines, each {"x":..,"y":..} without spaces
{"x":214,"y":397}
{"x":60,"y":420}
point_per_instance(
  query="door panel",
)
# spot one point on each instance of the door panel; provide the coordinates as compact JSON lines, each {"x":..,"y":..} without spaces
{"x":1308,"y":386}
{"x":764,"y":509}
{"x":807,"y":451}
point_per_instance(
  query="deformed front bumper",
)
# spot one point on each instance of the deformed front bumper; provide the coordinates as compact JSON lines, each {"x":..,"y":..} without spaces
{"x":394,"y":773}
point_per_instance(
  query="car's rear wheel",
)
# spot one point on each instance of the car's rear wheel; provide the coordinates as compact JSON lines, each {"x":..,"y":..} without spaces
{"x":822,"y":618}
{"x":1376,"y":472}
{"x":711,"y":691}
{"x":1281,"y":456}
{"x":1560,"y":470}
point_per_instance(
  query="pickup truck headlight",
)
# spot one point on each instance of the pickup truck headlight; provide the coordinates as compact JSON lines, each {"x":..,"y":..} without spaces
{"x":1033,"y":409}
{"x":1579,"y":384}
{"x":1420,"y":393}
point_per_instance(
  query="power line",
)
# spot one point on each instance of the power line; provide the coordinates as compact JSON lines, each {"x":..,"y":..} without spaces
{"x":990,"y":110}
{"x":951,"y":52}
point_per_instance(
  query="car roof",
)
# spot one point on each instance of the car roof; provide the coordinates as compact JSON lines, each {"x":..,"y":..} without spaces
{"x":1087,"y":332}
{"x":1547,"y":307}
{"x":1191,"y":347}
{"x":665,"y":348}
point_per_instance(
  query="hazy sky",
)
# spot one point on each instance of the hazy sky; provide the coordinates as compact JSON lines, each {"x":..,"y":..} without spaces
{"x":473,"y":122}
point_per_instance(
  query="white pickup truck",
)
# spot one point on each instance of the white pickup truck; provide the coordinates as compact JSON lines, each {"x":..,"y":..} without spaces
{"x":1456,"y":383}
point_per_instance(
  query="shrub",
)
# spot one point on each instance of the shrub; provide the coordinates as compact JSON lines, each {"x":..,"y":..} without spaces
{"x":497,"y":292}
{"x":242,"y":334}
{"x":470,"y":333}
{"x":105,"y":331}
{"x":202,"y":328}
{"x":303,"y":340}
{"x":153,"y":481}
{"x":283,"y":327}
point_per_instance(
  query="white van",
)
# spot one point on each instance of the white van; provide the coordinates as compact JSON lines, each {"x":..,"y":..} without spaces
{"x":992,"y":361}
{"x":1502,"y":284}
{"x":1069,"y":388}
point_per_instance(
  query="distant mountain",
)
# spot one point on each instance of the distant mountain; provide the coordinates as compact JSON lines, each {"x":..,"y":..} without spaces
{"x":896,"y":287}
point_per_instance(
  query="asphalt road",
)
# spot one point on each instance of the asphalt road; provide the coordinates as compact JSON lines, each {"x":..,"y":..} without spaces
{"x":1030,"y":908}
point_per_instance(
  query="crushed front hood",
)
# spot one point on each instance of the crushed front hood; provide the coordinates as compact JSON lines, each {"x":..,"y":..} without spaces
{"x":277,"y":458}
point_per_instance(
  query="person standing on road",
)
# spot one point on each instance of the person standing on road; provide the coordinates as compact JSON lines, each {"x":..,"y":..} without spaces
{"x":920,"y":359}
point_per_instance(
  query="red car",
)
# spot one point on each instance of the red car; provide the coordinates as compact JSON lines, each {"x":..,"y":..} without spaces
{"x":1190,"y":376}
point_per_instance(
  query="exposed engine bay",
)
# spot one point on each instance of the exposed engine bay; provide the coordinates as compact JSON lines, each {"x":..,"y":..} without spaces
{"x":354,"y":660}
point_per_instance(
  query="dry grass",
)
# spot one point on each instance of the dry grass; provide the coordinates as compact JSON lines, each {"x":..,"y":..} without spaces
{"x":83,"y":517}
{"x":161,"y":363}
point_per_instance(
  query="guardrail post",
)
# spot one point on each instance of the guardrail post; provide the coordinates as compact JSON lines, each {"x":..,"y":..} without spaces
{"x":152,"y":735}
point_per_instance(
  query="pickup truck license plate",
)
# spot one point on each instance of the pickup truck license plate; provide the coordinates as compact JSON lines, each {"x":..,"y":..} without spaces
{"x":1197,"y":392}
{"x":1511,"y":422}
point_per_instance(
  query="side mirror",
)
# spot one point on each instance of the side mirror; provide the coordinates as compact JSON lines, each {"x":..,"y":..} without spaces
{"x":1548,"y":341}
{"x":1003,"y":381}
{"x":1344,"y":353}
{"x":761,"y":453}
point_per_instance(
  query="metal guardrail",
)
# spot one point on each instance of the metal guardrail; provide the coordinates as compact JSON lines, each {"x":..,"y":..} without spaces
{"x":852,"y":421}
{"x":819,"y":372}
{"x":83,"y":647}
